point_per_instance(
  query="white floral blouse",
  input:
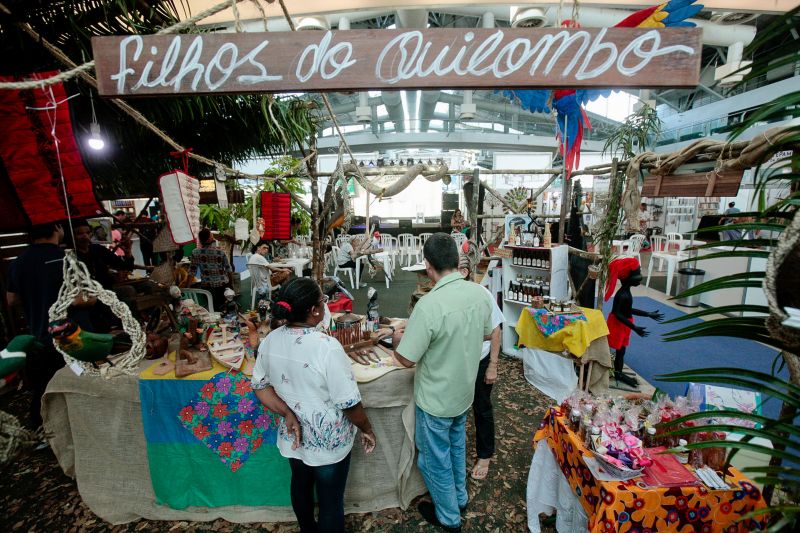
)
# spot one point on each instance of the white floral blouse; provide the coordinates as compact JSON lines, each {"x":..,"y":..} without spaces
{"x":312,"y":374}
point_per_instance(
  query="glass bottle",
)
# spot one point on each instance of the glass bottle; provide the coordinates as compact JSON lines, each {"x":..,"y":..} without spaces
{"x":683,"y":455}
{"x":510,"y":294}
{"x":575,"y":420}
{"x":649,"y":440}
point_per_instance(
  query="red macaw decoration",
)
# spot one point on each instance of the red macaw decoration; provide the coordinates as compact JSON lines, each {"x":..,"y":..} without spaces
{"x":571,"y":117}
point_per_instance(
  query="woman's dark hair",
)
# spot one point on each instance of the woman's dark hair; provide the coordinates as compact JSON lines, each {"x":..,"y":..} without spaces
{"x":295,"y":299}
{"x":441,"y":252}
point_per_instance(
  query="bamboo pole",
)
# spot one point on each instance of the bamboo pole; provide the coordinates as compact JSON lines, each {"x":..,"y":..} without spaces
{"x":603,"y":246}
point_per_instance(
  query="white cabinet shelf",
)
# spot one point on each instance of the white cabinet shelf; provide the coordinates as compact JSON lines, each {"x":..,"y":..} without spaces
{"x":559,"y":288}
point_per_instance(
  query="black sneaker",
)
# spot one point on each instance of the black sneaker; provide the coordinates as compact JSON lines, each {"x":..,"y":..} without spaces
{"x":428,"y":512}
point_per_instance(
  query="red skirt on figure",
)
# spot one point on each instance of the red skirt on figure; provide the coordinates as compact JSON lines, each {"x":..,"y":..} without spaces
{"x":619,"y":334}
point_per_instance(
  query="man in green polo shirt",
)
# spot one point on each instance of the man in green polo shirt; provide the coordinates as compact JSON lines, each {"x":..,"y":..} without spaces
{"x":444,"y":337}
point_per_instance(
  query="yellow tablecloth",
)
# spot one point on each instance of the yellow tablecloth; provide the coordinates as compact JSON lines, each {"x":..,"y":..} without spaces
{"x":576,"y":337}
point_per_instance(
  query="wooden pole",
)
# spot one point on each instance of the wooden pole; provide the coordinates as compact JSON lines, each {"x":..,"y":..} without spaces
{"x":473,"y":214}
{"x":604,"y":246}
{"x":562,"y":220}
{"x":317,"y":256}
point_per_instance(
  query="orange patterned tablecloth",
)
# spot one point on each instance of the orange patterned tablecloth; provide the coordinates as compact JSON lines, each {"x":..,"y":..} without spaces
{"x":632,"y":507}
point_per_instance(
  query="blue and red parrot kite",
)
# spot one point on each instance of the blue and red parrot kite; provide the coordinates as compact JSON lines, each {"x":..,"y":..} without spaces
{"x":570,"y":115}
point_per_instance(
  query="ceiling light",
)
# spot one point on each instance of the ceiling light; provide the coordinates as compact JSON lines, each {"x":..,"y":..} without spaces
{"x":96,"y":141}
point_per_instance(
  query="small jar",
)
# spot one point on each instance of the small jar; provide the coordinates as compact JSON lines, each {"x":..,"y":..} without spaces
{"x":683,"y":453}
{"x":649,"y":438}
{"x":575,"y":420}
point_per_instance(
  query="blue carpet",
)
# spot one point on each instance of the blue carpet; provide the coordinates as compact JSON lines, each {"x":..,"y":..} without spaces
{"x":651,"y":356}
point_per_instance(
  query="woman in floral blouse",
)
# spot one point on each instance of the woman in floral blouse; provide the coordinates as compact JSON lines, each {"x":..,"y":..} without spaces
{"x":305,"y":376}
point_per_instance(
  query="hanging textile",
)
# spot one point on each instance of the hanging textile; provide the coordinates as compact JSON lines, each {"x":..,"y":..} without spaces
{"x":276,"y":210}
{"x":37,"y":147}
{"x":181,"y":194}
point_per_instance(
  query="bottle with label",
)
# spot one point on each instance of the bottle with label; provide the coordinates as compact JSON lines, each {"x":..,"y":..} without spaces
{"x":526,"y":259}
{"x":594,"y":438}
{"x":548,"y":238}
{"x":511,"y":293}
{"x":546,"y":265}
{"x":575,"y":420}
{"x":536,"y":241}
{"x":683,"y":452}
{"x":546,"y":289}
{"x":649,"y":440}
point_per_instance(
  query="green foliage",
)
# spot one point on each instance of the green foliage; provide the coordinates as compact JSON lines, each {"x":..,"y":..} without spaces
{"x":770,"y":221}
{"x":215,"y":217}
{"x":634,"y":134}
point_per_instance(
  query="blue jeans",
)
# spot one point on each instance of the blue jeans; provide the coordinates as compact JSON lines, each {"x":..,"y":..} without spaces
{"x":329,"y":481}
{"x":442,"y":459}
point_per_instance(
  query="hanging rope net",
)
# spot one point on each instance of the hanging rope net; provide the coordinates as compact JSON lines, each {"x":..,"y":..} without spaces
{"x":78,"y":283}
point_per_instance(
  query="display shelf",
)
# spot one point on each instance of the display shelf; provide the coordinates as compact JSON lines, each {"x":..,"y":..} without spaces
{"x":533,"y":248}
{"x":556,"y":275}
{"x":531,"y":268}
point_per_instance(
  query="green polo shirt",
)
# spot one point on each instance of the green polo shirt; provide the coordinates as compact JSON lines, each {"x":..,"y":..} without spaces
{"x":444,"y":336}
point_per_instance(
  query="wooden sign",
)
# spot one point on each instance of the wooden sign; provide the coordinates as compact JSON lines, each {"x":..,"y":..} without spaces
{"x":505,"y":253}
{"x":700,"y":184}
{"x":140,"y":65}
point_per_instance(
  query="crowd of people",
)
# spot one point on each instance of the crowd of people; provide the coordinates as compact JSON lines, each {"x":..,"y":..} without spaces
{"x":452,"y":337}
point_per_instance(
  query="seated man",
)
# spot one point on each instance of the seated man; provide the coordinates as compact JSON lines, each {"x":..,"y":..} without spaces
{"x":347,"y":259}
{"x":260,"y":277}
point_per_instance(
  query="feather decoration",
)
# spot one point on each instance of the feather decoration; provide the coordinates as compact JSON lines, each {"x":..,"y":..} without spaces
{"x":571,"y":117}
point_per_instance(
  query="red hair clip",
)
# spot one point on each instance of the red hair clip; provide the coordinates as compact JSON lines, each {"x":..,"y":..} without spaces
{"x":285,"y":305}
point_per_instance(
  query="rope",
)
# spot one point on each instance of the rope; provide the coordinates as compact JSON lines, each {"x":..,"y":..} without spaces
{"x":78,"y":282}
{"x":85,"y":67}
{"x":237,"y":24}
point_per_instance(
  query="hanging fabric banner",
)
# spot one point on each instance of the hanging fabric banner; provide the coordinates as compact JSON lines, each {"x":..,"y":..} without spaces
{"x":276,"y":210}
{"x":181,"y":194}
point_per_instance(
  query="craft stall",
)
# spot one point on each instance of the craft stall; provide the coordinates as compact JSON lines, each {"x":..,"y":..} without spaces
{"x":598,"y":461}
{"x":185,"y":438}
{"x":547,"y":330}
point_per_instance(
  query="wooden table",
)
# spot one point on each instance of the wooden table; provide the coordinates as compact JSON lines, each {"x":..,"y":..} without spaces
{"x":623,"y":506}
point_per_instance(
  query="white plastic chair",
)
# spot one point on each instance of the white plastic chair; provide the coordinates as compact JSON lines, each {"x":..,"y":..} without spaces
{"x":194,"y":295}
{"x":337,"y":268}
{"x":253,"y":269}
{"x":675,"y":241}
{"x":673,"y":253}
{"x":422,"y":238}
{"x":408,"y":243}
{"x":391,"y":247}
{"x":634,"y":243}
{"x":459,"y":238}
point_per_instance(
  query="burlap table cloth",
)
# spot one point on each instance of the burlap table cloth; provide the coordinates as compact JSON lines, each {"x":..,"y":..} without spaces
{"x":94,"y":427}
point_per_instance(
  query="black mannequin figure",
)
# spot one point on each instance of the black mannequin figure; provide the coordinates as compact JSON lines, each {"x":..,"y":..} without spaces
{"x":620,"y":320}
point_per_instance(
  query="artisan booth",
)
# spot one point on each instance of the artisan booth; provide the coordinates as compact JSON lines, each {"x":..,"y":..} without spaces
{"x":155,"y":417}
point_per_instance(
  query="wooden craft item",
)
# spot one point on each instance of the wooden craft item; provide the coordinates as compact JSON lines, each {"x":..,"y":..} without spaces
{"x":163,"y":366}
{"x":375,"y":370}
{"x":188,"y":361}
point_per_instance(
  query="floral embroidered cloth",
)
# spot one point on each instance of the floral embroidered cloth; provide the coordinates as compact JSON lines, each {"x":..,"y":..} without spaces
{"x":631,"y":506}
{"x":549,"y":324}
{"x":228,"y":418}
